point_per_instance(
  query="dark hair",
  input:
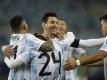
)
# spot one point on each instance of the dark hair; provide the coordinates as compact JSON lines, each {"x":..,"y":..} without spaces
{"x":15,"y":23}
{"x":104,"y":17}
{"x":48,"y":14}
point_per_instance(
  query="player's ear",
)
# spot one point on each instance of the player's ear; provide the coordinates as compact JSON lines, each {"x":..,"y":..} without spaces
{"x":43,"y":25}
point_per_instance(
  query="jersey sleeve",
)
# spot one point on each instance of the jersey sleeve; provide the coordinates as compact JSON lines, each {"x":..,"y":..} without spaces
{"x":13,"y":63}
{"x":91,"y":42}
{"x":21,"y":59}
{"x":33,"y":42}
{"x":70,"y":37}
{"x":104,"y":46}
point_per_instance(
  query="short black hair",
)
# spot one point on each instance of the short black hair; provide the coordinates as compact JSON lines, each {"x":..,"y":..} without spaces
{"x":104,"y":17}
{"x":48,"y":14}
{"x":15,"y":23}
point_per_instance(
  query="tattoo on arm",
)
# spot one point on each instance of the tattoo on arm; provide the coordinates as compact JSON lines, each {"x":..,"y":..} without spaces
{"x":47,"y":46}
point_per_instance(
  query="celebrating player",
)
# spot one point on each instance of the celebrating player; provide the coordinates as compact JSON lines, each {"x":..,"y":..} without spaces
{"x":48,"y":65}
{"x":100,"y":55}
{"x":23,"y":43}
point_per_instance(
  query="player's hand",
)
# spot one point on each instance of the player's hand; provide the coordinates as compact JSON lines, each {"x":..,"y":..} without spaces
{"x":8,"y":51}
{"x":70,"y":64}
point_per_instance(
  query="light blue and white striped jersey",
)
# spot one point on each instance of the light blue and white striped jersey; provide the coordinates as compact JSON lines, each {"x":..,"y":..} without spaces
{"x":65,"y":45}
{"x":47,"y":66}
{"x":104,"y":47}
{"x":23,"y":44}
{"x":74,"y":52}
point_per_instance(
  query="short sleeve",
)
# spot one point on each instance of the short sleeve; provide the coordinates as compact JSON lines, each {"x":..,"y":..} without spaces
{"x":104,"y":46}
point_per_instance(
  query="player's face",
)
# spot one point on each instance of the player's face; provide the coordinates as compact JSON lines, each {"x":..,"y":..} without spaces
{"x":62,"y":27}
{"x":104,"y":26}
{"x":52,"y":24}
{"x":24,"y":26}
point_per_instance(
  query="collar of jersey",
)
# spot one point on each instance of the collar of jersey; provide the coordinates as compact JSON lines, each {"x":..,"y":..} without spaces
{"x":20,"y":35}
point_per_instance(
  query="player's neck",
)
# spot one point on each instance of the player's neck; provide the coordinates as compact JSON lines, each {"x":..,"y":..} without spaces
{"x":20,"y":32}
{"x":23,"y":31}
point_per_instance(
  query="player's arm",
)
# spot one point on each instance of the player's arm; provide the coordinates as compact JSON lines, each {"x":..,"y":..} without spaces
{"x":73,"y":42}
{"x":38,"y":44}
{"x":96,"y":64}
{"x":91,"y":42}
{"x":84,"y":60}
{"x":13,"y":63}
{"x":21,"y":59}
{"x":47,"y":46}
{"x":93,"y":58}
{"x":87,"y":43}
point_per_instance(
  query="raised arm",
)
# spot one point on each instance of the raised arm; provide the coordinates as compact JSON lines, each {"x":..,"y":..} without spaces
{"x":91,"y":42}
{"x":84,"y":60}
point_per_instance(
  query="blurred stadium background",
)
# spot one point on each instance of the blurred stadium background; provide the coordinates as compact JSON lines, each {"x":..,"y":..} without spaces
{"x":82,"y":17}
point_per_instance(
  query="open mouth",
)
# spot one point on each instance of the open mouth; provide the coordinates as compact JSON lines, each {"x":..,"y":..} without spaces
{"x":54,"y":28}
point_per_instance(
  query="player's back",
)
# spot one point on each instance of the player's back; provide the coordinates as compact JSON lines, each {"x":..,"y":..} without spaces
{"x":47,"y":65}
{"x":19,"y":62}
{"x":21,"y":72}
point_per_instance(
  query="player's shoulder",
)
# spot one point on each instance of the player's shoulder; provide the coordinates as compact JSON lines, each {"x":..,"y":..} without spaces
{"x":39,"y":35}
{"x":29,"y":36}
{"x":70,"y":34}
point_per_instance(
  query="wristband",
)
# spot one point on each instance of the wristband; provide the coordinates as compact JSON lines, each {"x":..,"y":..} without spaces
{"x":78,"y":62}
